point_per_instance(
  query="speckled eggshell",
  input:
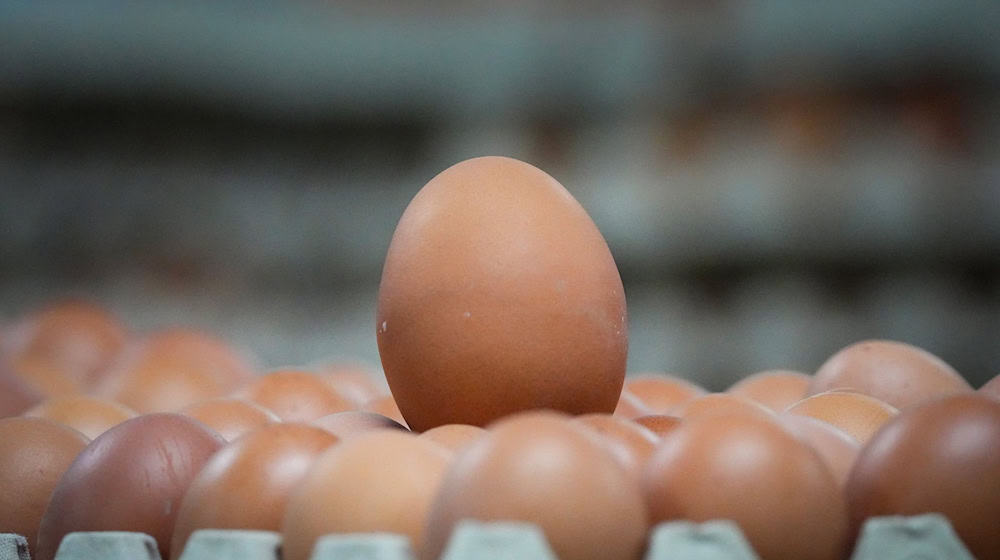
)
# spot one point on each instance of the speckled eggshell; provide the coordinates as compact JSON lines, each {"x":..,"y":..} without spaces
{"x":498,"y":295}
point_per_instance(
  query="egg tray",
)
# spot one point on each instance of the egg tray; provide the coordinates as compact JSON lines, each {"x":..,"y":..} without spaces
{"x":923,"y":537}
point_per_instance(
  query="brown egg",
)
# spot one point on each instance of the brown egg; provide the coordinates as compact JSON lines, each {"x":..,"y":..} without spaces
{"x":941,"y":456}
{"x":860,"y":416}
{"x":748,"y":469}
{"x":897,"y":373}
{"x":131,"y":478}
{"x":88,"y":415}
{"x":453,"y":437}
{"x":542,"y":469}
{"x":295,"y":396}
{"x":498,"y":295}
{"x":172,"y":369}
{"x":775,"y":389}
{"x":44,"y":379}
{"x":629,"y":406}
{"x":991,"y":388}
{"x":231,"y":417}
{"x":386,"y":406}
{"x":837,"y":449}
{"x":247,"y":484}
{"x":630,"y":443}
{"x":75,"y":338}
{"x":16,"y":396}
{"x":34,"y":453}
{"x":382,"y":481}
{"x":714,"y":403}
{"x":353,"y":382}
{"x":659,"y":424}
{"x":355,"y":422}
{"x":661,"y":392}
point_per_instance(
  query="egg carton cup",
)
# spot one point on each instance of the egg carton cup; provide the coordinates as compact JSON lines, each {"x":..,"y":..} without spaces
{"x":921,"y":537}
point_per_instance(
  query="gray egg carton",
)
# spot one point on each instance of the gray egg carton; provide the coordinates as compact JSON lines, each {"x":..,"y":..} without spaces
{"x":923,"y":537}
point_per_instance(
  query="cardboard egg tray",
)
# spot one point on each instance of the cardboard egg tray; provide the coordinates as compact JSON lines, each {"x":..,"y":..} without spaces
{"x":923,"y":537}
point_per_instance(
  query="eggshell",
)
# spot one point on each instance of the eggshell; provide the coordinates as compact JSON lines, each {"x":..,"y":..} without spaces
{"x":44,"y":379}
{"x":355,"y":422}
{"x":631,"y":444}
{"x":498,"y":295}
{"x":382,"y":481}
{"x":775,"y":389}
{"x":542,"y":469}
{"x":858,"y":415}
{"x":172,"y":369}
{"x":941,"y":456}
{"x":231,"y":417}
{"x":76,"y":338}
{"x":295,"y":396}
{"x":991,"y":388}
{"x":659,"y":424}
{"x":131,"y":478}
{"x":247,"y":484}
{"x":629,"y":406}
{"x":353,"y":382}
{"x":714,"y":403}
{"x":88,"y":415}
{"x":837,"y":449}
{"x":34,"y":453}
{"x":453,"y":437}
{"x":16,"y":396}
{"x":748,"y":469}
{"x":661,"y":392}
{"x":386,"y":406}
{"x":894,"y":372}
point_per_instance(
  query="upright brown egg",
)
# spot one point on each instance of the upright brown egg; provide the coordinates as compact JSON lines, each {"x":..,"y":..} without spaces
{"x":661,"y":392}
{"x":231,"y":417}
{"x":34,"y":454}
{"x":382,"y":481}
{"x":295,"y":396}
{"x":172,"y":369}
{"x":89,"y":415}
{"x":498,"y":295}
{"x":897,"y":373}
{"x":941,"y":456}
{"x":746,"y":468}
{"x":247,"y":484}
{"x":860,"y":416}
{"x":540,"y":468}
{"x":775,"y":389}
{"x":131,"y":478}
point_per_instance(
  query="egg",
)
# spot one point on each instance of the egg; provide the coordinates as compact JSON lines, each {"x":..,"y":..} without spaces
{"x":44,"y":379}
{"x":295,"y":396}
{"x":718,"y":402}
{"x":386,"y":406}
{"x":991,"y":388}
{"x":940,"y":456}
{"x":629,"y":406}
{"x":858,"y":415}
{"x":16,"y":396}
{"x":897,"y":373}
{"x":131,"y":478}
{"x":775,"y":389}
{"x":499,"y":294}
{"x":353,"y":382}
{"x":88,"y":415}
{"x":76,"y":338}
{"x":172,"y":369}
{"x":746,"y":468}
{"x":540,"y":468}
{"x":453,"y":437}
{"x":34,"y":453}
{"x":837,"y":449}
{"x":382,"y":481}
{"x":659,"y":424}
{"x":355,"y":422}
{"x":230,"y":417}
{"x":630,"y":443}
{"x":247,"y":484}
{"x":661,"y":392}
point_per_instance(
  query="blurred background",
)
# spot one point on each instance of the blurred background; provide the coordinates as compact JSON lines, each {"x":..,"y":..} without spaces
{"x":776,"y":179}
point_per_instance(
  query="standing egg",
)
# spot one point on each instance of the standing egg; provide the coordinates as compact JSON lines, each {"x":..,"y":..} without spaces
{"x":498,"y":295}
